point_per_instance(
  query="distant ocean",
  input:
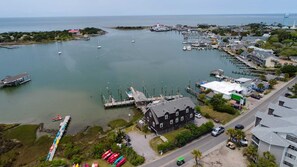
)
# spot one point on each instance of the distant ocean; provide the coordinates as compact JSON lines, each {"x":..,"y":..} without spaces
{"x":59,"y":23}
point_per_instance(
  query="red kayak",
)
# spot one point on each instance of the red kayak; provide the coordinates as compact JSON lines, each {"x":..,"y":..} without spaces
{"x":107,"y":155}
{"x":104,"y":154}
{"x":113,"y":158}
{"x":121,"y":162}
{"x":57,"y":118}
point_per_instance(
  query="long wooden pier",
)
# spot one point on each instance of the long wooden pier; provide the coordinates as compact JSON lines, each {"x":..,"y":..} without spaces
{"x":63,"y":126}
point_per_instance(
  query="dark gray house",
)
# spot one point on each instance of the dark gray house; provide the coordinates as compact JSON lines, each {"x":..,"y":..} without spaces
{"x":164,"y":116}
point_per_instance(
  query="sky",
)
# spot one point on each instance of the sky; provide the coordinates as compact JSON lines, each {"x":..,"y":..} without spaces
{"x":56,"y":8}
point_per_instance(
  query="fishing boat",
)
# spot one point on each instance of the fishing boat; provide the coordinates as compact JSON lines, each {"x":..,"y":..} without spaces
{"x":57,"y":118}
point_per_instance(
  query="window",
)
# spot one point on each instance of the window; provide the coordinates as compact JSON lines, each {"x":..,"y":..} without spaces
{"x":182,"y":118}
{"x":147,"y":119}
{"x":288,"y":164}
{"x":191,"y":115}
{"x":176,"y":120}
{"x":150,"y":114}
{"x":293,"y":147}
{"x":171,"y":122}
{"x":161,"y":125}
{"x":291,"y":138}
{"x":187,"y":110}
{"x":177,"y":113}
{"x":290,"y":156}
{"x":154,"y":124}
{"x":166,"y":116}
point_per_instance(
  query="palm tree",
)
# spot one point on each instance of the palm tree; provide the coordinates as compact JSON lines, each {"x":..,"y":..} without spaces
{"x":197,"y":155}
{"x":251,"y":153}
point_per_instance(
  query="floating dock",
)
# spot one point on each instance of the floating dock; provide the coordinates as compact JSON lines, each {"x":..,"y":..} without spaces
{"x":63,"y":126}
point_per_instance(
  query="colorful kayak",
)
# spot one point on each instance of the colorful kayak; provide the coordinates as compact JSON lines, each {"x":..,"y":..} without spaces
{"x":107,"y":155}
{"x":57,"y":118}
{"x":104,"y":154}
{"x":113,"y":158}
{"x":122,"y":162}
{"x":118,"y":160}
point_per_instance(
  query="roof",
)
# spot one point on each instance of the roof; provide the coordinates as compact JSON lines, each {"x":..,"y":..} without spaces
{"x":274,"y":122}
{"x":10,"y":79}
{"x":243,"y":80}
{"x":282,"y":111}
{"x":170,"y":106}
{"x":290,"y":103}
{"x":223,"y":87}
{"x":267,"y":135}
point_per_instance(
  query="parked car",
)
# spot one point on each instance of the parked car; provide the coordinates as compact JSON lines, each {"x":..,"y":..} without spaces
{"x":239,"y":126}
{"x":288,"y":94}
{"x":127,"y":138}
{"x":256,"y":96}
{"x":180,"y":161}
{"x":243,"y":142}
{"x":217,"y":131}
{"x":230,"y":145}
{"x":198,"y":115}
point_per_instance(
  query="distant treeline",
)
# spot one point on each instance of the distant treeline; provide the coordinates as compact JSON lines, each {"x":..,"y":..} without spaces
{"x":131,"y":27}
{"x":45,"y":36}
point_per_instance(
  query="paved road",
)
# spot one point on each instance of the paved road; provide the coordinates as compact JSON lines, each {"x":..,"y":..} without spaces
{"x":207,"y":142}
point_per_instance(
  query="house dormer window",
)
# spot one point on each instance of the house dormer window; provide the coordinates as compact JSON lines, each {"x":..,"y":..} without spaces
{"x":191,"y":115}
{"x":161,"y":125}
{"x":182,"y":118}
{"x":166,"y":116}
{"x":154,"y":124}
{"x":187,"y":110}
{"x":177,"y":113}
{"x":150,"y":114}
{"x":176,"y":120}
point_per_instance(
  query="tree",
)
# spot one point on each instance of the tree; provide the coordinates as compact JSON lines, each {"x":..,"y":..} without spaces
{"x":293,"y":89}
{"x":278,"y":72}
{"x":251,"y":153}
{"x":272,"y":82}
{"x":268,"y":160}
{"x":197,"y":155}
{"x":217,"y":100}
{"x":236,"y":134}
{"x":262,"y":77}
{"x":261,"y":86}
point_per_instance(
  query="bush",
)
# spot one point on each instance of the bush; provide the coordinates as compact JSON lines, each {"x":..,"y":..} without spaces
{"x":226,"y":108}
{"x":197,"y":108}
{"x":186,"y":136}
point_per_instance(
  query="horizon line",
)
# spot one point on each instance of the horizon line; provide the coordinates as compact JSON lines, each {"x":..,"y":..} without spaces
{"x":149,"y":15}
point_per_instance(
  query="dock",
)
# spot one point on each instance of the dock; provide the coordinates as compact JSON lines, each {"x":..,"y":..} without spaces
{"x":17,"y":80}
{"x":63,"y":126}
{"x":137,"y":99}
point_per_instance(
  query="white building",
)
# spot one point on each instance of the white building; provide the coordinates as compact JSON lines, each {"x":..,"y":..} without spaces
{"x":276,"y":132}
{"x":225,"y":88}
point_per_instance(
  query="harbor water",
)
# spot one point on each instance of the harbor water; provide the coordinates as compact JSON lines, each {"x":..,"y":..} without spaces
{"x":72,"y":83}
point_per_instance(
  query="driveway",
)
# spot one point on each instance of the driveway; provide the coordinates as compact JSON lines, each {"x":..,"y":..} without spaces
{"x":142,"y":145}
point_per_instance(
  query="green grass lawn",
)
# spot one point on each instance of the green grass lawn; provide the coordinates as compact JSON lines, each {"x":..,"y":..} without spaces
{"x":117,"y":123}
{"x":170,"y":136}
{"x":222,"y":117}
{"x":24,"y":133}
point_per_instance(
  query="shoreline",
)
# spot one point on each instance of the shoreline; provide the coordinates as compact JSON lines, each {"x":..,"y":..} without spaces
{"x":71,"y":37}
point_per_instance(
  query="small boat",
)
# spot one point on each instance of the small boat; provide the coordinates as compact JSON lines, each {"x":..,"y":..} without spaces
{"x":99,"y":46}
{"x":133,"y":41}
{"x":189,"y":48}
{"x":57,"y":118}
{"x":184,"y":48}
{"x":59,"y":52}
{"x":104,"y":154}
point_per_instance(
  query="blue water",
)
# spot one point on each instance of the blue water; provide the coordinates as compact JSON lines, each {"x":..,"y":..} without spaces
{"x":72,"y":83}
{"x":40,"y":24}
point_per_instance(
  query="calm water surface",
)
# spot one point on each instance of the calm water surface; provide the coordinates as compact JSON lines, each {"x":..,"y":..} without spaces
{"x":72,"y":83}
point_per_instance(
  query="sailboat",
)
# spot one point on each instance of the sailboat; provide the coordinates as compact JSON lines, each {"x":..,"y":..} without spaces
{"x":99,"y":46}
